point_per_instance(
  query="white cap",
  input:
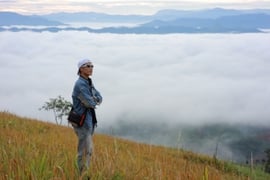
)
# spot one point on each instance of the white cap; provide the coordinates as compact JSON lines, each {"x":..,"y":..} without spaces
{"x":82,"y":62}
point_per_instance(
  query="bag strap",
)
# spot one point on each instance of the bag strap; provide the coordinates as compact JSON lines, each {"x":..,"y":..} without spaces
{"x":92,"y":110}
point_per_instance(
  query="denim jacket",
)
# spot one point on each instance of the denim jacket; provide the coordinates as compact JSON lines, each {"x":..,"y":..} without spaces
{"x":85,"y":96}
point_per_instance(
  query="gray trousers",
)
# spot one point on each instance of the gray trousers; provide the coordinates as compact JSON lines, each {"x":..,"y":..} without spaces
{"x":84,"y":147}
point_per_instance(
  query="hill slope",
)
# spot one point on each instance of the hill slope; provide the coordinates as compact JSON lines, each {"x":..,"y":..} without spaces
{"x":32,"y":149}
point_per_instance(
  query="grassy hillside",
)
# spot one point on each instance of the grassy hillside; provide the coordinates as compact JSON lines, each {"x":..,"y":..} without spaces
{"x":31,"y":149}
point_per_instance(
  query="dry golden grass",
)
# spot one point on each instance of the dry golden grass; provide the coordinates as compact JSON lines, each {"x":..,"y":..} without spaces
{"x":31,"y":149}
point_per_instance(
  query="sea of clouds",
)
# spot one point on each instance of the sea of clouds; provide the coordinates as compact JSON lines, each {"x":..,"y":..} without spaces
{"x":190,"y":78}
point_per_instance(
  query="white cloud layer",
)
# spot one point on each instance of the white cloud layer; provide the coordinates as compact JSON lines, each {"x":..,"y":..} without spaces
{"x":178,"y":77}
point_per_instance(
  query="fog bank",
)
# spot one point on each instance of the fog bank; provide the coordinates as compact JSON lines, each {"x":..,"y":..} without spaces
{"x":192,"y":78}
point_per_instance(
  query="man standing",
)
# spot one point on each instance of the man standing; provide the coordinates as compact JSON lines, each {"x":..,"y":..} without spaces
{"x":85,"y":96}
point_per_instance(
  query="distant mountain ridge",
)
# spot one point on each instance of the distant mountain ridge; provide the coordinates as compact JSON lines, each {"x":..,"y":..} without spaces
{"x":166,"y":15}
{"x":235,"y":23}
{"x":10,"y":18}
{"x":214,"y":13}
{"x":95,"y":17}
{"x":163,"y":22}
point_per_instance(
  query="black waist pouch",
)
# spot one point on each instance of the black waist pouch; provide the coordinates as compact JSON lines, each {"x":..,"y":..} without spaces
{"x":76,"y":119}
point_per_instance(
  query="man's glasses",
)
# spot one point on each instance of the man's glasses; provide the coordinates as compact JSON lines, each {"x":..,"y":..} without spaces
{"x":87,"y":65}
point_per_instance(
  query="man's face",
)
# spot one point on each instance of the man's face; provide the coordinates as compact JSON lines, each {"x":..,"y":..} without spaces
{"x":87,"y":69}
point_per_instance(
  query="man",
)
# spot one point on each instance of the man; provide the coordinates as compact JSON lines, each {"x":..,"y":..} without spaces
{"x":85,"y":96}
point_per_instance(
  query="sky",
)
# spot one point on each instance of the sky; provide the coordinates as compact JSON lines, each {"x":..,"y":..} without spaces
{"x":122,"y":6}
{"x":188,"y":78}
